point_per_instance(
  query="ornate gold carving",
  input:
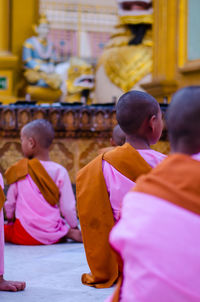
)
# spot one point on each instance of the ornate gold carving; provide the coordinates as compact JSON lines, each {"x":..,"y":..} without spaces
{"x":85,"y":120}
{"x":91,"y":151}
{"x":8,"y":119}
{"x":23,"y":117}
{"x":39,"y":114}
{"x":54,"y":118}
{"x":60,"y":154}
{"x":10,"y":153}
{"x":69,"y":120}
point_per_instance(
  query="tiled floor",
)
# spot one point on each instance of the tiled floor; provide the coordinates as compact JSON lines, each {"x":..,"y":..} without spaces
{"x":52,"y":274}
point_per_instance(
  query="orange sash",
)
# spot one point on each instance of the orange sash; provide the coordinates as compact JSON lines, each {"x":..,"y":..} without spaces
{"x":2,"y":198}
{"x":95,"y":212}
{"x":176,"y":180}
{"x":39,"y":175}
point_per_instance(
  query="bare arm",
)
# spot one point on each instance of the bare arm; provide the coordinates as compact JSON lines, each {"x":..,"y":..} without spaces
{"x":10,"y":203}
{"x":67,"y":201}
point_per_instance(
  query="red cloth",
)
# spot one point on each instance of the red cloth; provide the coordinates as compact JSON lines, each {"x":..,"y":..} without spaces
{"x":15,"y":233}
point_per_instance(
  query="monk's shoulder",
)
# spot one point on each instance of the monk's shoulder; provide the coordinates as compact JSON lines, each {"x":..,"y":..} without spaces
{"x":54,"y":167}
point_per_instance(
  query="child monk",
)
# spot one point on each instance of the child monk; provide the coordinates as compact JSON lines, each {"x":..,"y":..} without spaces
{"x":102,"y":184}
{"x":118,"y":139}
{"x":4,"y":284}
{"x":157,"y":236}
{"x":118,"y":136}
{"x":40,"y":192}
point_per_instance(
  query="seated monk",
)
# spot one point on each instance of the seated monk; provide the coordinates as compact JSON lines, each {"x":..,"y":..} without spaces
{"x":40,"y":192}
{"x":5,"y":285}
{"x":102,"y":184}
{"x":157,"y":236}
{"x":118,"y":139}
{"x":118,"y":136}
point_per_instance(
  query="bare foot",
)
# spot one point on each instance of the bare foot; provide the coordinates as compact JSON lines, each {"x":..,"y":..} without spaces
{"x":12,"y":286}
{"x":75,"y":234}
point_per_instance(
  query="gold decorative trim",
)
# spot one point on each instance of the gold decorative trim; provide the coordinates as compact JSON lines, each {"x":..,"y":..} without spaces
{"x":184,"y":65}
{"x":161,"y":89}
{"x":182,"y":32}
{"x":190,"y":66}
{"x":8,"y":60}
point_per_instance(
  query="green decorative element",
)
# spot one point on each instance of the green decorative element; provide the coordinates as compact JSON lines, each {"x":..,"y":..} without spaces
{"x":3,"y":83}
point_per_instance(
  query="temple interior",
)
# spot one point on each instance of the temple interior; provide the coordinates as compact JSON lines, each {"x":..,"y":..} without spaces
{"x":68,"y":61}
{"x":80,"y":31}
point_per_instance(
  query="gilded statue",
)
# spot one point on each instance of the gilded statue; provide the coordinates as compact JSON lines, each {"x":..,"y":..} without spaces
{"x":80,"y":81}
{"x":39,"y":58}
{"x":126,"y":62}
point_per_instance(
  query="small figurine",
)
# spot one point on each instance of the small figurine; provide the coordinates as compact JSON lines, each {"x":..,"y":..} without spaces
{"x":39,"y":58}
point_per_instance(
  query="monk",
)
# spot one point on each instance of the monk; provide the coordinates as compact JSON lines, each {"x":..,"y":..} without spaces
{"x":118,"y":136}
{"x":40,"y":192}
{"x":102,"y":184}
{"x":4,"y":284}
{"x":157,"y":236}
{"x":118,"y":139}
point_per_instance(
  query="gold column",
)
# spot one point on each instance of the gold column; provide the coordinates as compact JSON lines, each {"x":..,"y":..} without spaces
{"x":4,"y":26}
{"x":164,"y":50}
{"x":171,"y":67}
{"x":7,"y":59}
{"x":25,"y":14}
{"x":16,"y":20}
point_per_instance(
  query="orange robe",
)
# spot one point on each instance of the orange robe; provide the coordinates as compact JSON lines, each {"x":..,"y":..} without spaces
{"x":2,"y":198}
{"x":95,"y":212}
{"x":15,"y":232}
{"x":39,"y":175}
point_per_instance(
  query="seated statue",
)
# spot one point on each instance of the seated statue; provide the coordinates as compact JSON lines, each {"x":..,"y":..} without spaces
{"x":39,"y":58}
{"x":126,"y":62}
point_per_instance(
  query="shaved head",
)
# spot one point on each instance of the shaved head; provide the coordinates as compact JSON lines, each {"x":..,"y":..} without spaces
{"x":118,"y":136}
{"x":41,"y":130}
{"x":183,"y":119}
{"x":133,"y":108}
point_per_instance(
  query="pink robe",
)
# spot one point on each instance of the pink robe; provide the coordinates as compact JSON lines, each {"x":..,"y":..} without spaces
{"x":1,"y":234}
{"x":41,"y":220}
{"x":118,"y":185}
{"x":159,"y":243}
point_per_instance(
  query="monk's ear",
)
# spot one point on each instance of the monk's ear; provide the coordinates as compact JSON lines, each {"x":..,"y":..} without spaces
{"x":32,"y":142}
{"x":152,"y":122}
{"x":112,"y":142}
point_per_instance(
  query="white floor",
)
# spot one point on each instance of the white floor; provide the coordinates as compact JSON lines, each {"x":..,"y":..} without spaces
{"x":52,"y":273}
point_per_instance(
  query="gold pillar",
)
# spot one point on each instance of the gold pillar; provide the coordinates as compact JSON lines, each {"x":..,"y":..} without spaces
{"x":25,"y":14}
{"x":171,"y":67}
{"x":7,"y":59}
{"x":164,"y":49}
{"x":16,"y":20}
{"x":4,"y":26}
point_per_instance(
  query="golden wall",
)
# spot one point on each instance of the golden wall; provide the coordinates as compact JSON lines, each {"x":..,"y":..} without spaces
{"x":172,"y":66}
{"x":16,"y":20}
